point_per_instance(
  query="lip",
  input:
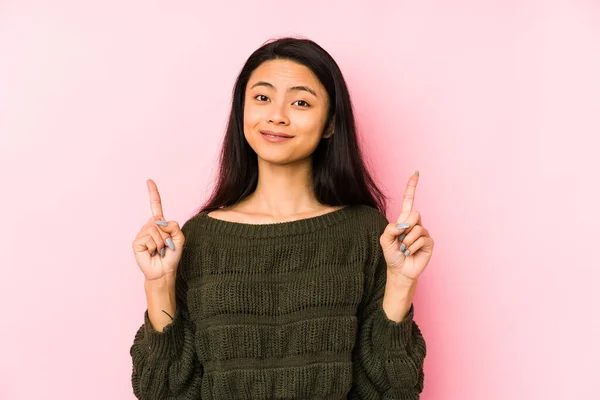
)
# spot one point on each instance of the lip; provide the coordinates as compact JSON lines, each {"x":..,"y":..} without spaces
{"x":278,"y":134}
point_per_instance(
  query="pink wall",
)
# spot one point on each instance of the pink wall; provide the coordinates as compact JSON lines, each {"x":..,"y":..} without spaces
{"x":495,"y":102}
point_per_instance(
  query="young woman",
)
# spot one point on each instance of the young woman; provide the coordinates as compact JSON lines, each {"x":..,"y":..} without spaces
{"x":289,"y":282}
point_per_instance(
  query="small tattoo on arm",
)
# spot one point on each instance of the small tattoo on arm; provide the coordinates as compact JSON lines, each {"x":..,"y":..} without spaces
{"x":168,"y":314}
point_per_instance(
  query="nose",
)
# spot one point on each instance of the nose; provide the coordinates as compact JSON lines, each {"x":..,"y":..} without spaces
{"x":277,"y":115}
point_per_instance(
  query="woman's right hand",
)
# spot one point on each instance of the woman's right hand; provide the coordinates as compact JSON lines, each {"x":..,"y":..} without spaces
{"x":157,"y":248}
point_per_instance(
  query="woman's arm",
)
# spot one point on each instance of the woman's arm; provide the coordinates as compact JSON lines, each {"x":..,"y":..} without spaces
{"x":161,"y":301}
{"x":389,"y":355}
{"x":165,"y":363}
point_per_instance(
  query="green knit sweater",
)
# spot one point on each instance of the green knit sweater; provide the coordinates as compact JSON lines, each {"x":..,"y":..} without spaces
{"x":288,"y":310}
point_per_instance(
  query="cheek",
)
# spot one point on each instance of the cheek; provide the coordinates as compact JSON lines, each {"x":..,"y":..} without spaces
{"x":312,"y":125}
{"x":252,"y":119}
{"x":251,"y":116}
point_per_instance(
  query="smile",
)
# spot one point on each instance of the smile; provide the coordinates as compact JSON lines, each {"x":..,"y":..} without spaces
{"x":275,"y":136}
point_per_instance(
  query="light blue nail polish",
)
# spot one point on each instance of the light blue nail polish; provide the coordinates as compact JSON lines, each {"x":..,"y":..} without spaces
{"x":406,"y":253}
{"x":161,"y":223}
{"x":170,"y":243}
{"x":401,"y":238}
{"x":162,"y":252}
{"x":403,"y":247}
{"x":153,"y":253}
{"x":403,"y":226}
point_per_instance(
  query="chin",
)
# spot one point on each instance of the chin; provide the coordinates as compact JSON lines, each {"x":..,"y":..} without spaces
{"x":275,"y":159}
{"x":278,"y":154}
{"x":280,"y":157}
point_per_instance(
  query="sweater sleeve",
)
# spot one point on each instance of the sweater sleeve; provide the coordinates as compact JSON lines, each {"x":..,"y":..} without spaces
{"x":165,"y":364}
{"x":388,"y":357}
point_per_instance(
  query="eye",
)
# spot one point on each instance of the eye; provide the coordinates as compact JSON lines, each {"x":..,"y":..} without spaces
{"x":302,"y":103}
{"x":261,"y":95}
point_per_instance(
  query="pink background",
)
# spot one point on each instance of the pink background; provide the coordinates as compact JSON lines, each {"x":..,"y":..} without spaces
{"x":495,"y":102}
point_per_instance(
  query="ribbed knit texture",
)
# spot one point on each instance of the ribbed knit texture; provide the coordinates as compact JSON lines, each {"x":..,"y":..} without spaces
{"x":288,"y":310}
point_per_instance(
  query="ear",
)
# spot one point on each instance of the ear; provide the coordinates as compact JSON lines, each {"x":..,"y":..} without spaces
{"x":329,"y":132}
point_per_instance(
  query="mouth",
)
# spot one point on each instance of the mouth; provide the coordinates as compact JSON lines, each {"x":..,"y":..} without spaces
{"x":276,"y":134}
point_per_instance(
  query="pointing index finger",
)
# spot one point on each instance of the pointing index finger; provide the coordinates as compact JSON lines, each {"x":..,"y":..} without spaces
{"x":155,"y":203}
{"x":409,"y":196}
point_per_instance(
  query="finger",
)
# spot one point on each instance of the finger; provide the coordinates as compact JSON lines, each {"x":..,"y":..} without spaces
{"x":160,"y":226}
{"x":173,"y":231}
{"x":420,"y":243}
{"x":413,"y":219}
{"x":152,"y":247}
{"x":156,"y":221}
{"x":157,"y":236}
{"x":389,"y":235}
{"x":155,"y":203}
{"x":144,"y":243}
{"x":417,"y":232}
{"x":409,"y":196}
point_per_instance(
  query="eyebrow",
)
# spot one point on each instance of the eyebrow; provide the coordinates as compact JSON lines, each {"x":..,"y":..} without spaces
{"x":293,"y":88}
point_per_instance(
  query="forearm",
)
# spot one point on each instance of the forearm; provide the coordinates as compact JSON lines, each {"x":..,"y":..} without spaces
{"x":398,"y":296}
{"x":391,"y":348}
{"x":165,"y":364}
{"x":160,"y":296}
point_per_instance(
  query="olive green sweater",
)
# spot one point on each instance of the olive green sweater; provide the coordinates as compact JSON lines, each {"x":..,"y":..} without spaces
{"x":288,"y":310}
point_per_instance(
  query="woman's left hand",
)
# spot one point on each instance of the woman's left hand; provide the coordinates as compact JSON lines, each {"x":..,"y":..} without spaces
{"x":409,"y":261}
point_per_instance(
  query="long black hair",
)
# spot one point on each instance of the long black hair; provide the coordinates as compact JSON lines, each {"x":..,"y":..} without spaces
{"x":340,"y":176}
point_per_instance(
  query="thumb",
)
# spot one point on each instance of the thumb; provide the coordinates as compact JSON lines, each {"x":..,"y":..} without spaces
{"x":173,"y":230}
{"x":402,"y":217}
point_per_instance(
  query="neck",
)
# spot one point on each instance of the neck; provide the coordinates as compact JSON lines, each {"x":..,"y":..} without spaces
{"x":283,"y":190}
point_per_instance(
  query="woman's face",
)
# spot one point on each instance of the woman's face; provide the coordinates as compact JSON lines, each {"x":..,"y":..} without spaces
{"x":284,"y":98}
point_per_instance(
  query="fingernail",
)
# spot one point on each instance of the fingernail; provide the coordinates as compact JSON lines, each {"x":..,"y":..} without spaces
{"x":170,"y":243}
{"x":401,"y":238}
{"x":153,"y":253}
{"x":417,"y":172}
{"x":403,"y":247}
{"x":162,"y":252}
{"x":406,"y":253}
{"x":402,"y":226}
{"x":161,"y":223}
